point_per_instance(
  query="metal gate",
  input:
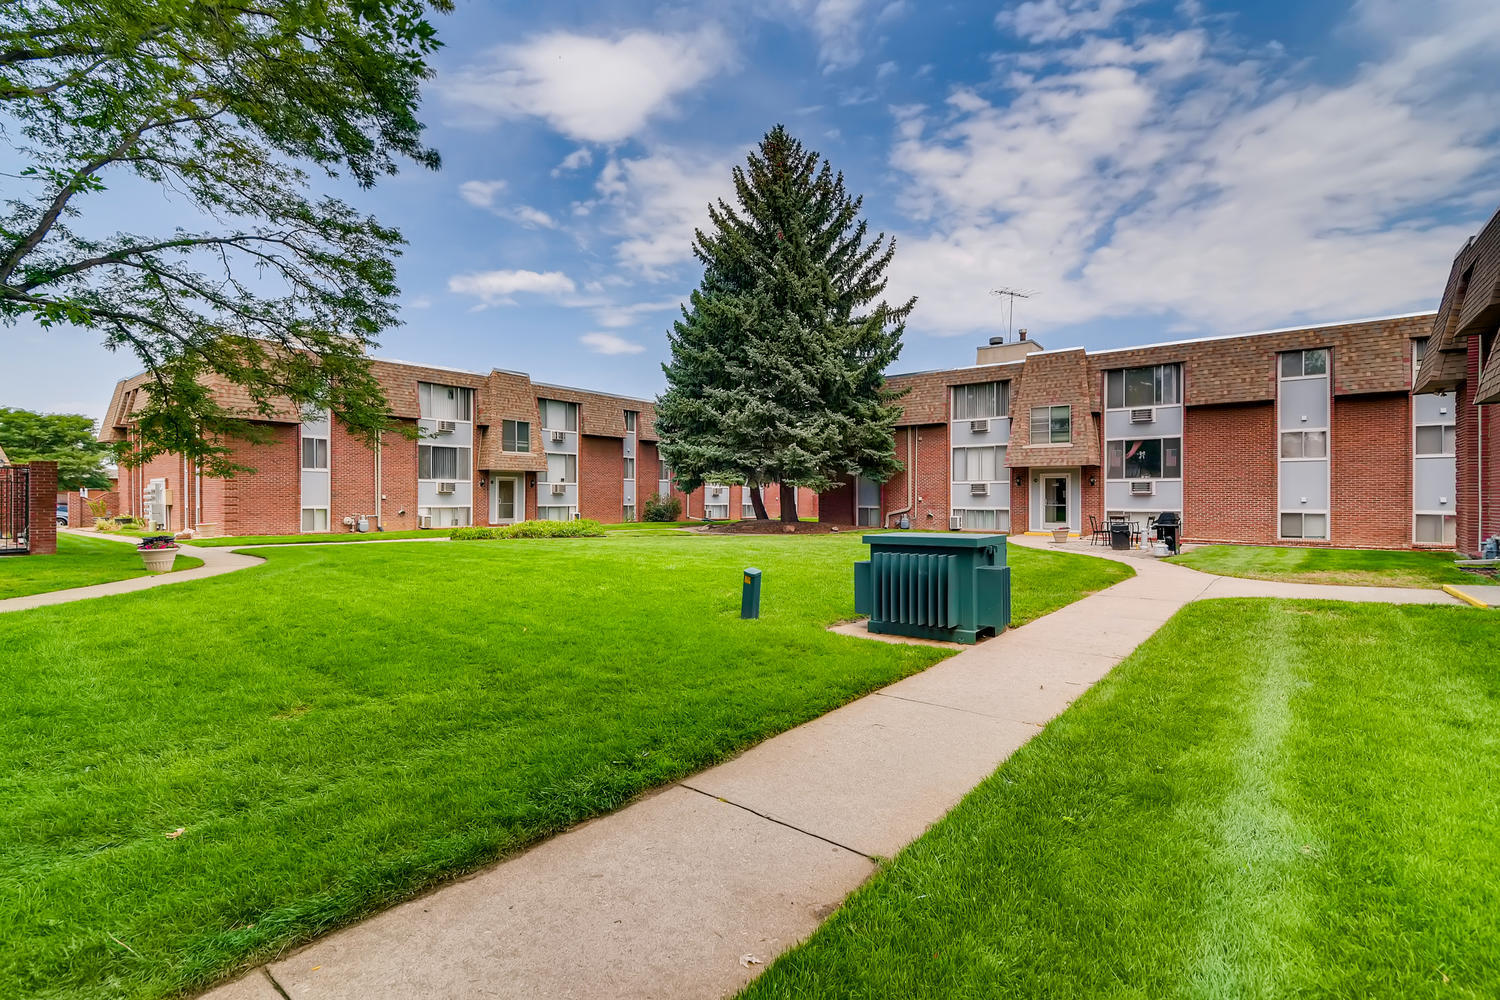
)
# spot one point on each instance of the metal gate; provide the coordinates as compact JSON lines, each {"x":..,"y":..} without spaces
{"x":15,"y":509}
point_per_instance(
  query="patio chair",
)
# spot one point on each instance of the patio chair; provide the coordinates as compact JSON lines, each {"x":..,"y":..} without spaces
{"x":1097,"y":532}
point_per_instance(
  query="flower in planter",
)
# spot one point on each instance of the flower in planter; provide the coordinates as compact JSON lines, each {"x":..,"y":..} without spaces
{"x":156,"y":542}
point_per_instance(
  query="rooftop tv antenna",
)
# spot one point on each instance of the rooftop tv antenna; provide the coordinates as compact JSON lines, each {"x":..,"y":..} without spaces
{"x":1010,"y":295}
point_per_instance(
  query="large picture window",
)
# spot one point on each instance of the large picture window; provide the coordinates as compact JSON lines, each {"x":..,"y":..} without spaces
{"x":979,"y":465}
{"x":442,"y":462}
{"x":1151,"y":385}
{"x":981,"y":400}
{"x":1148,"y":458}
{"x":1051,"y":425}
{"x":445,"y":402}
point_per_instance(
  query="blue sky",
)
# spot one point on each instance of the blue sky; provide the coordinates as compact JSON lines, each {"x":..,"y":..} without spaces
{"x":1152,"y":170}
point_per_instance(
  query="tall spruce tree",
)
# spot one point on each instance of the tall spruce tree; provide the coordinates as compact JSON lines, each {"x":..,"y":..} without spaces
{"x":777,"y":370}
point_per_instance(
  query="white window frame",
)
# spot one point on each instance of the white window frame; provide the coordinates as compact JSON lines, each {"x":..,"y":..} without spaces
{"x":998,"y":512}
{"x":316,"y":439}
{"x":1122,"y":442}
{"x":516,"y":437}
{"x":629,"y":512}
{"x":1444,"y":432}
{"x":427,"y":395}
{"x":571,"y":415}
{"x":1302,"y":432}
{"x":1327,"y":371}
{"x":465,"y":468}
{"x":747,"y":505}
{"x":1156,"y":385}
{"x":314,"y":530}
{"x":629,"y":468}
{"x":1000,"y":398}
{"x":1049,"y":443}
{"x":1001,"y":470}
{"x":461,"y":522}
{"x":1325,"y":512}
{"x":874,"y":511}
{"x":1450,"y":527}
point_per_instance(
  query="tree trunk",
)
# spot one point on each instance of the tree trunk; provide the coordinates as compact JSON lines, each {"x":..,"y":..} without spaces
{"x":758,"y":501}
{"x":788,"y":504}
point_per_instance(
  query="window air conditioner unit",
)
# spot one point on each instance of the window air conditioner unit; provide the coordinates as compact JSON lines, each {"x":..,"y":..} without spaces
{"x":1142,"y":488}
{"x":558,"y":489}
{"x":1143,"y":415}
{"x":425,"y":521}
{"x":447,"y":487}
{"x":979,"y":489}
{"x":447,"y":426}
{"x":559,"y":435}
{"x":956,"y":522}
{"x":979,"y":426}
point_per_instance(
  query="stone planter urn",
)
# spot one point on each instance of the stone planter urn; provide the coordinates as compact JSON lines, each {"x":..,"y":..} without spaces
{"x":1059,"y":535}
{"x":159,"y":560}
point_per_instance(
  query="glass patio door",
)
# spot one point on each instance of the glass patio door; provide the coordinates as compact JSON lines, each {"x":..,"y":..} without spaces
{"x":507,"y":495}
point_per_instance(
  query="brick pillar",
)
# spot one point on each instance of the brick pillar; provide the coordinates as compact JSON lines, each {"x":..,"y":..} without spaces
{"x":43,"y":524}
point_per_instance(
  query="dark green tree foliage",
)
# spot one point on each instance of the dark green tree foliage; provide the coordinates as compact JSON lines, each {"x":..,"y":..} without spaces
{"x":214,"y":104}
{"x":777,"y":370}
{"x":65,"y":438}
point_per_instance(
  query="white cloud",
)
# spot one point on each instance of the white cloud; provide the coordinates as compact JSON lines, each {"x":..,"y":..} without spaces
{"x":498,"y":288}
{"x":532,"y":217}
{"x":1055,"y":20}
{"x":608,"y":343}
{"x":419,"y":302}
{"x":885,"y":69}
{"x":576,"y":160}
{"x":1157,"y":177}
{"x":481,"y":194}
{"x":657,"y":201}
{"x":598,"y":89}
{"x":629,"y":314}
{"x":836,"y":23}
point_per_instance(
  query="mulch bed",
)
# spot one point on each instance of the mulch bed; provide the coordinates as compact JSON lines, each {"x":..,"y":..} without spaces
{"x":774,"y":527}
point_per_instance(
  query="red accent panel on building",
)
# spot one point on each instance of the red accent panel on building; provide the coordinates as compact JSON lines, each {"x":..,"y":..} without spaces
{"x":1229,"y":474}
{"x":1370,"y":502}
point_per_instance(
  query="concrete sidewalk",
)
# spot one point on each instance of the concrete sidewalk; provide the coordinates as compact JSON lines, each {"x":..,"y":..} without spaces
{"x":215,"y":563}
{"x":687,"y":893}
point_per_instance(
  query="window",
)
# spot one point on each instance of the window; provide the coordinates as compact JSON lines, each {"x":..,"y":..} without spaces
{"x":747,"y":505}
{"x":1153,"y":385}
{"x":315,"y":453}
{"x":979,"y":465}
{"x":630,"y":416}
{"x":445,"y":517}
{"x":984,"y":520}
{"x":630,"y":469}
{"x":1418,"y":352}
{"x":1435,"y":529}
{"x":1437,"y":439}
{"x":1300,"y":525}
{"x":1304,"y":444}
{"x":436,"y":461}
{"x":1051,"y":425}
{"x":515,"y":435}
{"x":314,"y":518}
{"x":1149,"y":458}
{"x":562,"y":469}
{"x":554,"y":513}
{"x":558,"y":415}
{"x":629,"y":512}
{"x":1297,"y":364}
{"x":445,"y":402}
{"x":981,"y":400}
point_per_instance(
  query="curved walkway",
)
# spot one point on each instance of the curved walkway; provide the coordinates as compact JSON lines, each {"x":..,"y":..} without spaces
{"x":690,"y":891}
{"x":215,"y":562}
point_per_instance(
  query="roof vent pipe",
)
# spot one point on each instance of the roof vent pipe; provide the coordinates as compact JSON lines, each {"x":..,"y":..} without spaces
{"x":1021,"y":333}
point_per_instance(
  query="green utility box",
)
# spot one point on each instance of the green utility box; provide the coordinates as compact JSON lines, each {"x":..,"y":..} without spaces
{"x":934,"y":586}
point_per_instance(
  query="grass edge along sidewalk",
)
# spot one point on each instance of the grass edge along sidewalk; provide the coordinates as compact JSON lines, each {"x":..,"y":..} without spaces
{"x":1268,"y":798}
{"x":1347,"y":567}
{"x":332,"y":738}
{"x":80,"y":561}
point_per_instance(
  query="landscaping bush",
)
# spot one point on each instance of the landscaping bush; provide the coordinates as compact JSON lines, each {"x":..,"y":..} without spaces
{"x":660,"y":508}
{"x":584,"y":528}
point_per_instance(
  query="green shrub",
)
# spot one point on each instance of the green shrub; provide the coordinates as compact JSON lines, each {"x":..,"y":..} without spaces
{"x":583,"y":528}
{"x":660,"y":508}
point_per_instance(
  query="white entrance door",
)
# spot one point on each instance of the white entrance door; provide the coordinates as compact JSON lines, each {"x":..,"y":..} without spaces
{"x":505,"y":499}
{"x":1055,"y":502}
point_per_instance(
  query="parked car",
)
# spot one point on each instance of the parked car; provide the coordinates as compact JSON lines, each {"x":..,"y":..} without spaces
{"x":62,"y":515}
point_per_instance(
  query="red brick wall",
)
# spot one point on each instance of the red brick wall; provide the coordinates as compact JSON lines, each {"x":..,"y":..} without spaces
{"x":837,"y":505}
{"x":267,"y":501}
{"x":1091,"y":497}
{"x":1020,"y":501}
{"x":1370,"y":503}
{"x":931,"y":474}
{"x":398,"y":480}
{"x":79,"y":514}
{"x":1229,"y":473}
{"x":351,"y":474}
{"x":601,"y":478}
{"x":42,"y":526}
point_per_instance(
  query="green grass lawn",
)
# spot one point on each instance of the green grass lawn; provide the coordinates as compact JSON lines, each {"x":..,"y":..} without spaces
{"x":229,"y":542}
{"x":1356,"y":567}
{"x":80,"y":561}
{"x":345,"y":725}
{"x":1268,"y":799}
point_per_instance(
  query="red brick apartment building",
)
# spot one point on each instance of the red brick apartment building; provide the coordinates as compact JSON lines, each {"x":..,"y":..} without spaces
{"x":1306,"y":436}
{"x":490,"y":449}
{"x":1375,"y":433}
